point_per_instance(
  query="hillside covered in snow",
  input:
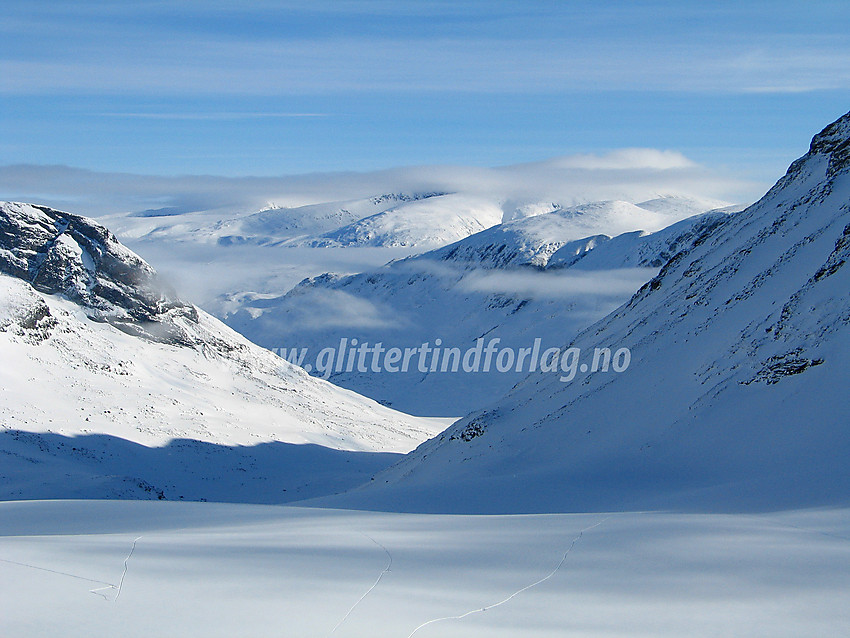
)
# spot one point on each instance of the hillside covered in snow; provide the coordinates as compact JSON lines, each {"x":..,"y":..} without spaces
{"x":113,"y":386}
{"x":735,"y":398}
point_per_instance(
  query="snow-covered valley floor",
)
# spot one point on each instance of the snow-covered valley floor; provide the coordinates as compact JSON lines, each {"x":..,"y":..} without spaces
{"x":142,"y":568}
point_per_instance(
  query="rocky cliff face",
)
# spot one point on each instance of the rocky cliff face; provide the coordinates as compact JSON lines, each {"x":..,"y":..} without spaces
{"x":61,"y":253}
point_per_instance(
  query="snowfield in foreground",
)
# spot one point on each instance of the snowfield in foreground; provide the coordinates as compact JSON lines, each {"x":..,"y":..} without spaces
{"x":112,"y":568}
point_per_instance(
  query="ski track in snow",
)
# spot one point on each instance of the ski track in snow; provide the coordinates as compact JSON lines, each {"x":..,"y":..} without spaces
{"x":98,"y":590}
{"x":800,"y":528}
{"x":126,"y":562}
{"x":117,"y":588}
{"x":519,"y":591}
{"x":55,"y":571}
{"x":368,"y":591}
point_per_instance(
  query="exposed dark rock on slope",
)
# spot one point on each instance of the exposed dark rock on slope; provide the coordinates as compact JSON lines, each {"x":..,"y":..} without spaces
{"x":61,"y":253}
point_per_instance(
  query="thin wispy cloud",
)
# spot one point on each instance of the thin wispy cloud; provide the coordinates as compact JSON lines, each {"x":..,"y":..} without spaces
{"x":183,"y":48}
{"x":210,"y":116}
{"x":203,"y":66}
{"x":561,"y":285}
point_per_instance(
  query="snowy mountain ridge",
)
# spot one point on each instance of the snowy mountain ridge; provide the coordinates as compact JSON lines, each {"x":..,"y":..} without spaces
{"x":417,"y":220}
{"x":285,"y":225}
{"x":534,"y":241}
{"x":736,"y":394}
{"x":422,"y":223}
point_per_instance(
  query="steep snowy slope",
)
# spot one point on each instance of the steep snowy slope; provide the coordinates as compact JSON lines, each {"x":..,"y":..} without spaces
{"x":479,"y":287}
{"x":736,"y":396}
{"x":635,"y":249}
{"x":93,"y":348}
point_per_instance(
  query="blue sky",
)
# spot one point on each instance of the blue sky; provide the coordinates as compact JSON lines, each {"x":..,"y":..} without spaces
{"x":271,"y":88}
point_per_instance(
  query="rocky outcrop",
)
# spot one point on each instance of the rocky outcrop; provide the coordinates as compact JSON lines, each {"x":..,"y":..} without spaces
{"x":64,"y":254}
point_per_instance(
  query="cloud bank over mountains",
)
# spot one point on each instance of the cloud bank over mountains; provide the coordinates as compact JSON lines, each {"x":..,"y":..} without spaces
{"x":628,"y":174}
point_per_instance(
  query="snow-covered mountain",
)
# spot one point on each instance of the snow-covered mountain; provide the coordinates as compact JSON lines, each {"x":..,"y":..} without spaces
{"x":533,"y":240}
{"x":320,"y":224}
{"x":735,"y":396}
{"x":104,"y":370}
{"x":494,"y":284}
{"x":414,"y":220}
{"x":636,"y":249}
{"x":263,"y":236}
{"x":424,"y":223}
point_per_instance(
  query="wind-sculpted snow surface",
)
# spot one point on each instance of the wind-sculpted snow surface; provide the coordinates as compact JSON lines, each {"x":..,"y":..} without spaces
{"x":211,"y":570}
{"x":736,"y":397}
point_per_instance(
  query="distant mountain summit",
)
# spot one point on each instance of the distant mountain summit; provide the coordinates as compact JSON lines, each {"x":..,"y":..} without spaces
{"x":422,"y":222}
{"x":736,"y":397}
